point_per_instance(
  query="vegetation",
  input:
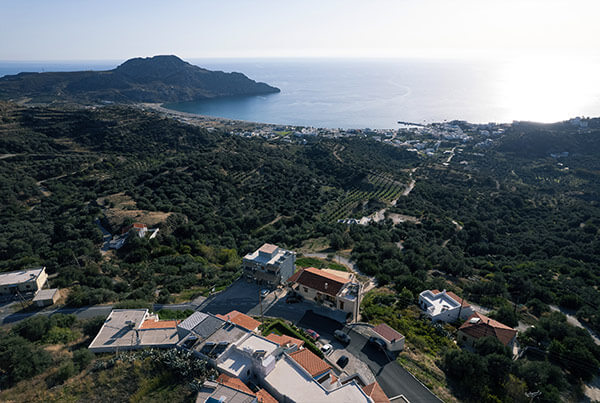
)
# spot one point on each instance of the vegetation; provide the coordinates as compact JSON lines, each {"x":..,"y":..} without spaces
{"x":279,"y":327}
{"x":510,"y":227}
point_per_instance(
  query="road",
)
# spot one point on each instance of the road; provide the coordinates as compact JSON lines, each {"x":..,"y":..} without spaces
{"x":391,"y":376}
{"x":7,"y":316}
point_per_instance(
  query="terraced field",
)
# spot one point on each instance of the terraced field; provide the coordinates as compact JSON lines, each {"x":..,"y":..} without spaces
{"x":377,"y":186}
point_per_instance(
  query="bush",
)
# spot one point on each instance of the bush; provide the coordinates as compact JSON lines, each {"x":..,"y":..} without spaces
{"x":33,"y":328}
{"x":166,"y":314}
{"x":133,"y":304}
{"x":20,"y":359}
{"x":284,"y":328}
{"x":92,"y":326}
{"x":82,"y":358}
{"x":65,"y":371}
{"x":60,"y":335}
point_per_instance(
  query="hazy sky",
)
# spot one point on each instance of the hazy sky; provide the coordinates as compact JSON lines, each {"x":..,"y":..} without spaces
{"x":107,"y":29}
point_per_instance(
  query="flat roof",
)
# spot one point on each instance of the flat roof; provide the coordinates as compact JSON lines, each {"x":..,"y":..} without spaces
{"x":123,"y":330}
{"x":255,"y":343}
{"x":267,"y":257}
{"x":20,"y":276}
{"x":215,"y":392}
{"x":235,"y":363}
{"x":291,"y":380}
{"x":45,"y":294}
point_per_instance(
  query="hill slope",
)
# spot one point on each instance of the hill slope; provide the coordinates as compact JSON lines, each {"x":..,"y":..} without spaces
{"x":155,"y":79}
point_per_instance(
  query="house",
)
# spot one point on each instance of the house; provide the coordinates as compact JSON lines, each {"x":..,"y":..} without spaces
{"x":269,"y":265}
{"x":375,"y":392}
{"x":331,"y":288}
{"x":242,"y":320}
{"x":132,"y":329}
{"x":46,"y":297}
{"x":23,"y":281}
{"x":288,"y":343}
{"x":479,"y":325}
{"x":292,"y":380}
{"x":229,"y":389}
{"x":444,"y":306}
{"x":394,"y":341}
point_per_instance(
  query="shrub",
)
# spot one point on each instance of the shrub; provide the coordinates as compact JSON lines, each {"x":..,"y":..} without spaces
{"x":60,"y":335}
{"x":65,"y":371}
{"x":82,"y":358}
{"x":33,"y":328}
{"x":20,"y":359}
{"x":92,"y":326}
{"x":133,"y":304}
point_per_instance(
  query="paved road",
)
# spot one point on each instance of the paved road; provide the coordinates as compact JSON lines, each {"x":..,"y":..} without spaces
{"x":392,"y":377}
{"x":7,"y":317}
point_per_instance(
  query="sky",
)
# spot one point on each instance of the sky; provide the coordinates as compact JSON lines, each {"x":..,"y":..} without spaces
{"x":34,"y":30}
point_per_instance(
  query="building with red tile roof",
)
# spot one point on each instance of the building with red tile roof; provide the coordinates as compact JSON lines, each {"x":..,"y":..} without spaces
{"x":264,"y":397}
{"x":241,"y":319}
{"x":315,"y":366}
{"x":285,"y":340}
{"x":393,"y":339}
{"x":375,"y":392}
{"x":235,"y":383}
{"x":479,"y":325}
{"x":331,"y":290}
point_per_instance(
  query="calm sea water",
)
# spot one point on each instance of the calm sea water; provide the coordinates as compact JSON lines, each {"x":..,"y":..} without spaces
{"x":377,"y":93}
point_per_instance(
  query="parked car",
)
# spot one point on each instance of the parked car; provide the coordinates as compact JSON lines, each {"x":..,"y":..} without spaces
{"x":342,"y":361}
{"x":264,"y":292}
{"x":327,"y":348}
{"x":292,"y":299}
{"x":312,"y":334}
{"x":377,"y":342}
{"x":341,"y":336}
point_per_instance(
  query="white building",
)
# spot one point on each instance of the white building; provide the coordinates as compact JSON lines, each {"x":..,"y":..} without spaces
{"x":269,"y":265}
{"x":22,"y":281}
{"x":444,"y":306}
{"x":333,"y":289}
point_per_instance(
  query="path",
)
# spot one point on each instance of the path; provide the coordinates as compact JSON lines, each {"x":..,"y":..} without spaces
{"x":572,"y":320}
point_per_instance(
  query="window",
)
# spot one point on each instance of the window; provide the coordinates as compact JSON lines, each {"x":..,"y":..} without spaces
{"x":341,"y":304}
{"x":305,"y":289}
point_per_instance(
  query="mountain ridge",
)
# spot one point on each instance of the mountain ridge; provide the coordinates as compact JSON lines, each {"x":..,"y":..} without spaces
{"x":163,"y":78}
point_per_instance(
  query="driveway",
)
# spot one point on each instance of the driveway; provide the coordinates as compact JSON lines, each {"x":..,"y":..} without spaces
{"x":392,"y":377}
{"x":241,"y":296}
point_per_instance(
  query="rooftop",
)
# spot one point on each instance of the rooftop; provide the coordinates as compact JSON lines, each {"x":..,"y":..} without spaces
{"x":310,"y":362}
{"x":268,"y":248}
{"x":454,"y":297}
{"x":291,"y":380}
{"x":440,"y":301}
{"x":152,"y":323}
{"x":123,"y":330}
{"x":375,"y":392}
{"x":214,"y":393}
{"x":20,"y":276}
{"x":479,"y":325}
{"x":45,"y":294}
{"x":319,"y":280}
{"x":220,"y":339}
{"x":241,"y":319}
{"x":257,"y":343}
{"x":268,"y":255}
{"x":285,"y":340}
{"x":193,"y":320}
{"x":235,"y":383}
{"x":387,"y":332}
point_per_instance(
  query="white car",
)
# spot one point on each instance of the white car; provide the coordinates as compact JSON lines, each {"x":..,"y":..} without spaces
{"x":327,"y":348}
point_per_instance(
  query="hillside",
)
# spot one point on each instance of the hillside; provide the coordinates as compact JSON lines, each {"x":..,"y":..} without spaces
{"x":155,"y":79}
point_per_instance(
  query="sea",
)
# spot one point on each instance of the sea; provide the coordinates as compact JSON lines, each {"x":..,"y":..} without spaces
{"x":378,"y":93}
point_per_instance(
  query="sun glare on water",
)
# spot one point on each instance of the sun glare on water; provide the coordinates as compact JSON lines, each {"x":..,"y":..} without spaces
{"x":548,"y":89}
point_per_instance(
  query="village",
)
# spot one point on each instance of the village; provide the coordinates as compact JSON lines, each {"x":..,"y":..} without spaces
{"x":282,"y":333}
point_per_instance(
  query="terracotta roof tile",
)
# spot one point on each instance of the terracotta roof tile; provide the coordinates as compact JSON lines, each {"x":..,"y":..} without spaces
{"x":487,"y":327}
{"x":310,"y":362}
{"x":458,"y":299}
{"x":264,"y":397}
{"x":158,"y":324}
{"x":387,"y":332}
{"x":284,"y":340}
{"x":319,"y":280}
{"x":375,"y":392}
{"x":234,"y":383}
{"x":241,"y":319}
